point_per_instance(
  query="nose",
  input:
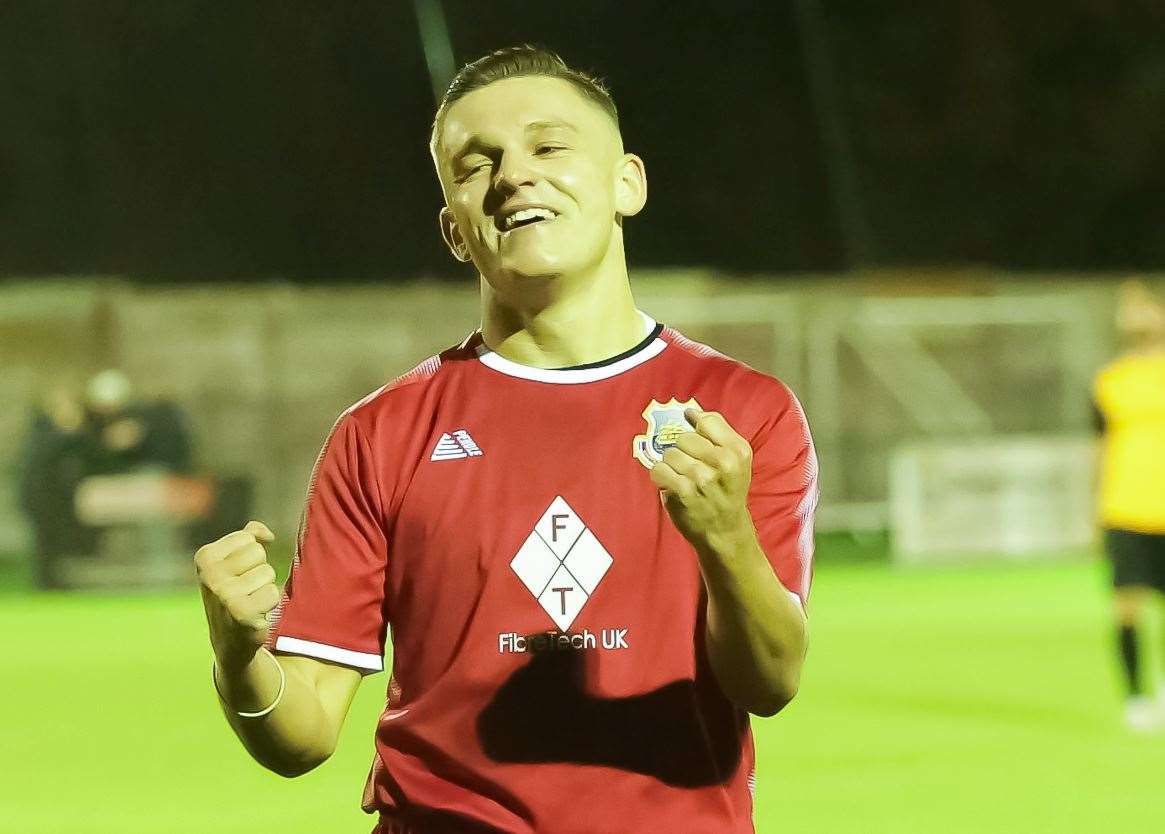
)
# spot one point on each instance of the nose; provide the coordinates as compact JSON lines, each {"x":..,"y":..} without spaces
{"x":513,"y":171}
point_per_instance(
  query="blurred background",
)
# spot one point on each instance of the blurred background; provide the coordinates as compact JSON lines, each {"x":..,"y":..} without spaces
{"x":217,"y":230}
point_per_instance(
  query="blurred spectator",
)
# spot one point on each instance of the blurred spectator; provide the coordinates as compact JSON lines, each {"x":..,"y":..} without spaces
{"x":56,"y":456}
{"x":105,"y":432}
{"x":1129,"y":397}
{"x":128,"y":434}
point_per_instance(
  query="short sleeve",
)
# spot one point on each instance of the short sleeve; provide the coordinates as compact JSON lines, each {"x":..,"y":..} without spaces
{"x":783,"y":496}
{"x":333,"y":603}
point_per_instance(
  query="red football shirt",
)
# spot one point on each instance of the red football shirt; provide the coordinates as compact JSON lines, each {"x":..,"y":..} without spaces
{"x":547,"y":619}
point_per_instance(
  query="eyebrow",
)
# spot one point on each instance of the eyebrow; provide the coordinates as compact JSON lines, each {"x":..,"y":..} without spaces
{"x":474,"y":143}
{"x":547,"y":124}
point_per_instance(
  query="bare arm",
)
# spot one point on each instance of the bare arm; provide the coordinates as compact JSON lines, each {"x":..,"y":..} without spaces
{"x":301,"y":732}
{"x":756,"y":634}
{"x":238,"y":589}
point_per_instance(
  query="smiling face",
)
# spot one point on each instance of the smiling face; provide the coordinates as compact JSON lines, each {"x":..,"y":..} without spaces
{"x":535,"y":180}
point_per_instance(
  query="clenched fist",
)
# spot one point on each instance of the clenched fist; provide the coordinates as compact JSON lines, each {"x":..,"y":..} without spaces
{"x":704,"y":479}
{"x":238,"y":589}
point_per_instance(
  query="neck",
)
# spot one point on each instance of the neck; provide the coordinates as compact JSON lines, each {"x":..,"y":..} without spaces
{"x":564,"y":321}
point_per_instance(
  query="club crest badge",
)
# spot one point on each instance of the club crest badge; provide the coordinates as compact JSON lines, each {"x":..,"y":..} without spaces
{"x":665,"y":423}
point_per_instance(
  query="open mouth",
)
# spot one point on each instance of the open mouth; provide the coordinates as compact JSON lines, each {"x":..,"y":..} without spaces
{"x":524,"y":217}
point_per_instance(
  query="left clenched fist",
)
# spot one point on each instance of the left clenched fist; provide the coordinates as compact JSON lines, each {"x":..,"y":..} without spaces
{"x":704,"y":479}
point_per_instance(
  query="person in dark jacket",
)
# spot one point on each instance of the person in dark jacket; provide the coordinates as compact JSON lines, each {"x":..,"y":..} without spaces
{"x":129,"y":434}
{"x":57,"y":454}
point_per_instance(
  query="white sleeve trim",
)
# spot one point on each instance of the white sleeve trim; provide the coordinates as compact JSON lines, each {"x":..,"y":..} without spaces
{"x":361,"y":660}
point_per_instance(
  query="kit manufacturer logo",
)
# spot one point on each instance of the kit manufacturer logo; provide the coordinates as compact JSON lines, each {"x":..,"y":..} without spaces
{"x":455,"y":446}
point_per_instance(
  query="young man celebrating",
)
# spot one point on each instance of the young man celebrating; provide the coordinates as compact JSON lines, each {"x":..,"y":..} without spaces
{"x":591,"y":537}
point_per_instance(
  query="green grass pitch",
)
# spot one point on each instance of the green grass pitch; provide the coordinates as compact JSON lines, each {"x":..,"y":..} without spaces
{"x":958,"y":700}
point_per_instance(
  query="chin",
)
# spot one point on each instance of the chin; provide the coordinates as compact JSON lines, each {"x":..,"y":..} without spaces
{"x":534,"y":268}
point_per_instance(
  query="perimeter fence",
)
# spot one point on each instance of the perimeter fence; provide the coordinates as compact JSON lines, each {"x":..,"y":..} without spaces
{"x":882,"y":362}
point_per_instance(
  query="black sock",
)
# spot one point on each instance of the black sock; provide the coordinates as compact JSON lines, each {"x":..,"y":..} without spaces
{"x":1127,"y":638}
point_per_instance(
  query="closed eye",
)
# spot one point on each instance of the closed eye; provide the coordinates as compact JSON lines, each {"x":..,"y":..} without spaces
{"x":543,"y":149}
{"x":471,"y":170}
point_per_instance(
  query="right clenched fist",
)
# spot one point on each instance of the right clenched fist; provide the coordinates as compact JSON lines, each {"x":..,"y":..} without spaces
{"x":238,"y":589}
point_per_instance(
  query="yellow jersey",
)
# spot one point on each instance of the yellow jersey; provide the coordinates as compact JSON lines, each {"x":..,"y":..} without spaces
{"x":1130,"y":396}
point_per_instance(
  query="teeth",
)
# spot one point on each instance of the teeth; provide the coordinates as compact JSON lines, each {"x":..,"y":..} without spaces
{"x":526,"y":214}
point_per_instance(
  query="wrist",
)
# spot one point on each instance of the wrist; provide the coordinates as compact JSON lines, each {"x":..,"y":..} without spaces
{"x":232,"y":662}
{"x":729,"y":562}
{"x":248,"y":680}
{"x":727,"y":543}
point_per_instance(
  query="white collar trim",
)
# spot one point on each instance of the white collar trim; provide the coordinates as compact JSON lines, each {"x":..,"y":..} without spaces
{"x":573,"y":376}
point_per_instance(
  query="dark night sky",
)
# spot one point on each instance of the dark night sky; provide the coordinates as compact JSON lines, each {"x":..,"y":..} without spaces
{"x":196,"y":139}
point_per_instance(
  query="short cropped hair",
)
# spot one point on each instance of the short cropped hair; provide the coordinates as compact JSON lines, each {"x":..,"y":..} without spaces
{"x":515,"y":62}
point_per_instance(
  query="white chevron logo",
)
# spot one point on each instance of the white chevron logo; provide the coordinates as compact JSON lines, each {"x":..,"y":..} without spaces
{"x":455,"y":446}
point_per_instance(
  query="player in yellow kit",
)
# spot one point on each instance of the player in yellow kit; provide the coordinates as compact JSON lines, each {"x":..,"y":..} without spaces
{"x":1129,"y":396}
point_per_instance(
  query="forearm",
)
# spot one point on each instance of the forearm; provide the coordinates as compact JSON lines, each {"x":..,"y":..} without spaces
{"x":756,"y":633}
{"x":294,"y":737}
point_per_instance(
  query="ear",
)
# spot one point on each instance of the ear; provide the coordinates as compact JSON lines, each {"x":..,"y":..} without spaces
{"x":452,"y":235}
{"x":630,"y":186}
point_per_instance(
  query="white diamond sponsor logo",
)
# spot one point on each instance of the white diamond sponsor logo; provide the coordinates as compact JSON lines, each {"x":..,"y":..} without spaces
{"x":563,"y":598}
{"x":535,"y":563}
{"x":561,"y":563}
{"x":587,"y":561}
{"x":559,"y":527}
